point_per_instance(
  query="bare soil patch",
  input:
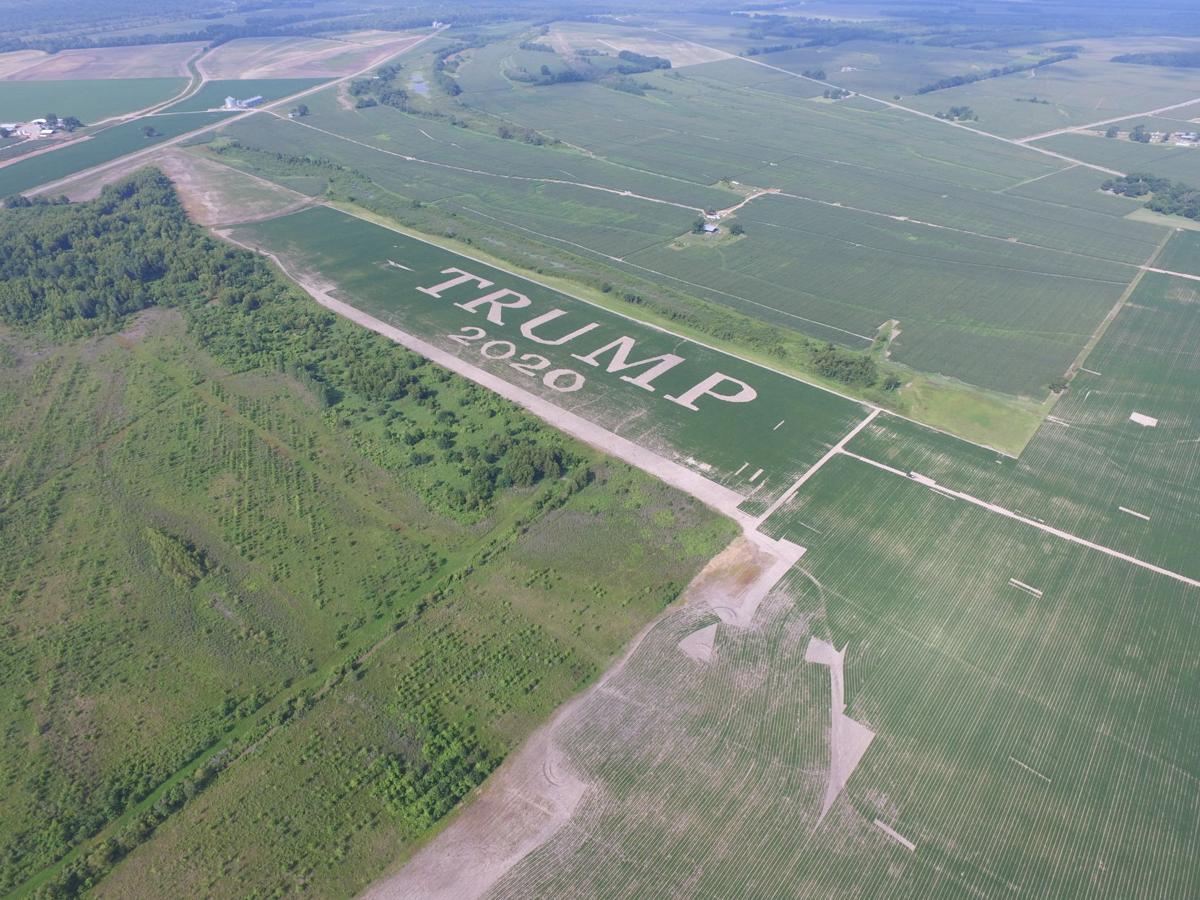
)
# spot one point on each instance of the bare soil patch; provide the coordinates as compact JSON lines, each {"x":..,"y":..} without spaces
{"x":568,"y":39}
{"x":301,"y":57}
{"x":146,"y":61}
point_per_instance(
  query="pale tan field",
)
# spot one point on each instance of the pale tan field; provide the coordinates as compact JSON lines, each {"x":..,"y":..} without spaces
{"x":148,"y":61}
{"x":300,"y":57}
{"x":573,"y":36}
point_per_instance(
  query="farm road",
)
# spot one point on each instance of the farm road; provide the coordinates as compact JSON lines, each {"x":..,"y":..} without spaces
{"x":1103,"y":122}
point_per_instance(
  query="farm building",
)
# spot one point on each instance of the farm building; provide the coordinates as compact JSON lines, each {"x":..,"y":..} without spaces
{"x":235,"y":103}
{"x":710,"y":228}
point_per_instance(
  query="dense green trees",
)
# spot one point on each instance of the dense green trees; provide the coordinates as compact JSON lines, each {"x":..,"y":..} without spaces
{"x":846,"y":366}
{"x":958,"y":114}
{"x":1176,"y":59}
{"x":1172,"y":198}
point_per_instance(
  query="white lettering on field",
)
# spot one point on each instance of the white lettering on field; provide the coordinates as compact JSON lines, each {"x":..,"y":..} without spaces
{"x":495,"y":313}
{"x":462,"y":278}
{"x":621,"y":349}
{"x":688,"y":398}
{"x":528,"y":327}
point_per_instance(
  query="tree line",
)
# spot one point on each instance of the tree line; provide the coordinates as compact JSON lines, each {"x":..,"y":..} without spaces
{"x":1175,"y":59}
{"x":958,"y":80}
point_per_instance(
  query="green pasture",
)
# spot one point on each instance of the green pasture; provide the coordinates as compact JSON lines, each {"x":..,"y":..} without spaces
{"x":100,"y":147}
{"x":355,"y":256}
{"x":212,"y":95}
{"x":87,"y":100}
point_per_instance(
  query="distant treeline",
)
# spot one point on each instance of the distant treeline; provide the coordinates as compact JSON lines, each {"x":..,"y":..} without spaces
{"x":812,"y":33}
{"x":957,"y":80}
{"x":616,"y":78}
{"x":1175,"y":59}
{"x":1172,"y":198}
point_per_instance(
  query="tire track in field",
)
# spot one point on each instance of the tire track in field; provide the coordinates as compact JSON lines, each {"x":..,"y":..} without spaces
{"x":501,"y":175}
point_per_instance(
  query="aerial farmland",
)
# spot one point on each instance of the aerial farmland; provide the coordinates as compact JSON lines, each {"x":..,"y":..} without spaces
{"x":595,"y":450}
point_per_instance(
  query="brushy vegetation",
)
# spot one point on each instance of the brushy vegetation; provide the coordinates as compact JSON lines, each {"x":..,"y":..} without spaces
{"x":208,"y":535}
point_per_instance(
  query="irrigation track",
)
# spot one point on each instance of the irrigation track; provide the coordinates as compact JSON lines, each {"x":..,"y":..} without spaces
{"x":1025,"y":520}
{"x":149,"y":151}
{"x":1152,"y":112}
{"x":900,"y":106}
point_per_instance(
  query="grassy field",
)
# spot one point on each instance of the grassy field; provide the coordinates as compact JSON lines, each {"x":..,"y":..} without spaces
{"x":103,"y":146}
{"x":784,"y":429}
{"x":213,"y":94}
{"x":87,"y":100}
{"x":197,"y":559}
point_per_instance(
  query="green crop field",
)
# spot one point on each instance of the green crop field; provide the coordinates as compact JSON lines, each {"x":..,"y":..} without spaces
{"x":1022,"y":745}
{"x":656,"y":481}
{"x":1164,"y":160}
{"x":807,"y":264}
{"x":1091,"y":470}
{"x":87,"y":100}
{"x":783,"y":429}
{"x":101,"y":147}
{"x":213,"y":94}
{"x":953,"y":294}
